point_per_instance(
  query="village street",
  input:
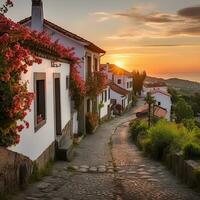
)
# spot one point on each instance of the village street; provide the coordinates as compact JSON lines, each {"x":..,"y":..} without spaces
{"x":93,"y":177}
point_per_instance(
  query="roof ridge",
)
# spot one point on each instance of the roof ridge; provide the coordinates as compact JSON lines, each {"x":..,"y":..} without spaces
{"x":90,"y":45}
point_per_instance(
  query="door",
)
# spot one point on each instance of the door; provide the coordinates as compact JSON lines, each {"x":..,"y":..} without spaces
{"x":57,"y":104}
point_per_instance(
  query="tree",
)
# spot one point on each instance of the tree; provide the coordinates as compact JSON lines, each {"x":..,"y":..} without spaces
{"x":183,"y":111}
{"x":138,"y":81}
{"x":174,"y":95}
{"x":150,"y":101}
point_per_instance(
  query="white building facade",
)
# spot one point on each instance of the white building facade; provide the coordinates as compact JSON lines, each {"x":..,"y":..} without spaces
{"x":88,"y":52}
{"x":163,"y":99}
{"x":50,"y":114}
{"x":121,"y":84}
{"x":151,"y":87}
{"x":105,"y":103}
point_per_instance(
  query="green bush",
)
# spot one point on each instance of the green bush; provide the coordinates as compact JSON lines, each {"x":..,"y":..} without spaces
{"x":191,"y":151}
{"x":160,"y":139}
{"x":138,"y":127}
{"x":166,"y":137}
{"x":189,"y":123}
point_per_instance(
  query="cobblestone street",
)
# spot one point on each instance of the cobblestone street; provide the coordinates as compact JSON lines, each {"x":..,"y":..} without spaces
{"x":92,"y":175}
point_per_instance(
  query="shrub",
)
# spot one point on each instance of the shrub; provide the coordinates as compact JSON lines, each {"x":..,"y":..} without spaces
{"x":189,"y":123}
{"x":138,"y":127}
{"x":160,"y":138}
{"x":91,"y":122}
{"x":191,"y":151}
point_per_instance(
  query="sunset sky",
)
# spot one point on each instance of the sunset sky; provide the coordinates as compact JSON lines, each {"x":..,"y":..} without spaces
{"x":159,"y":36}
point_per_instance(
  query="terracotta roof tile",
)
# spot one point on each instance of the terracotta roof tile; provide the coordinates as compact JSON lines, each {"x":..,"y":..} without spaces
{"x":119,"y":89}
{"x":158,"y":111}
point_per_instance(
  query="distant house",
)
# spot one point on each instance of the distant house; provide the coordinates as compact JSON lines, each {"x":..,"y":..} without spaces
{"x":155,"y":86}
{"x":163,"y":100}
{"x":119,"y":96}
{"x":88,"y":52}
{"x":105,"y":102}
{"x":121,"y":84}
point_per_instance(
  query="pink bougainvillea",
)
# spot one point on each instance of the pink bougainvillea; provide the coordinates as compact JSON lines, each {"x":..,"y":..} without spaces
{"x":96,"y":83}
{"x":17,"y":47}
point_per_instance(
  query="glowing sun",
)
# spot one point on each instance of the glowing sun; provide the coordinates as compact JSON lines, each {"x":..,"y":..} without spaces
{"x":119,"y":63}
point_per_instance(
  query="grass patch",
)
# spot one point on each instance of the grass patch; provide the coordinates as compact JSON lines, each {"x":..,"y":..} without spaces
{"x":38,"y":174}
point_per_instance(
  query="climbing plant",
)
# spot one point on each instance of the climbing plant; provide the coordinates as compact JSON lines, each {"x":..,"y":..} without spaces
{"x":18,"y":52}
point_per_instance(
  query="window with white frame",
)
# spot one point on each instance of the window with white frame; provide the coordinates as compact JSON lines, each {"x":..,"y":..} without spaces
{"x":40,"y":102}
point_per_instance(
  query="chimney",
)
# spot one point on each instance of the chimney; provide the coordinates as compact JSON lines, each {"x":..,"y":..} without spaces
{"x":37,"y":15}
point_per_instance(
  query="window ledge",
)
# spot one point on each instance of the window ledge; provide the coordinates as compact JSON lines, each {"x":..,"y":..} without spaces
{"x":40,"y":125}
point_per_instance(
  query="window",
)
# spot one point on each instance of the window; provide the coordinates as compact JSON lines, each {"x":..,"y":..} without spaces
{"x":40,"y":102}
{"x":109,"y":93}
{"x":159,"y":103}
{"x":89,"y":66}
{"x":67,"y":82}
{"x":102,"y":97}
{"x":113,"y":77}
{"x":105,"y":95}
{"x":95,"y":64}
{"x":119,"y":81}
{"x":127,"y":84}
{"x":88,"y":105}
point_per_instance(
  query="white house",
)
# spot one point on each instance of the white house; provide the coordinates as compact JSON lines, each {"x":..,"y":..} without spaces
{"x":50,"y":116}
{"x":163,"y":100}
{"x":88,"y":52}
{"x":105,"y":102}
{"x":121,"y":84}
{"x":119,"y":76}
{"x":150,"y":87}
{"x":119,"y":96}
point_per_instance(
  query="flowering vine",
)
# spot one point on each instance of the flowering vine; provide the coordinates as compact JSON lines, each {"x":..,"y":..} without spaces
{"x":96,"y":83}
{"x":18,"y":49}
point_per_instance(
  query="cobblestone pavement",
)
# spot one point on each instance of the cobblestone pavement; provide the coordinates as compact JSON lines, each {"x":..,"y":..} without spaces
{"x":140,"y":178}
{"x":92,"y":175}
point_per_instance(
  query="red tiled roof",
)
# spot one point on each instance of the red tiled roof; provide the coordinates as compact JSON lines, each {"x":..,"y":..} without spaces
{"x":89,"y":44}
{"x":159,"y":112}
{"x":119,"y":89}
{"x":116,"y":70}
{"x":161,"y":92}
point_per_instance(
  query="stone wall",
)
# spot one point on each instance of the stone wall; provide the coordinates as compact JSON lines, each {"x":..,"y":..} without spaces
{"x":15,"y":169}
{"x":45,"y":157}
{"x":186,"y":170}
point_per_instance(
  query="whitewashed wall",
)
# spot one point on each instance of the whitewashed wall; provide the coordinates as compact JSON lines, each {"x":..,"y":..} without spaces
{"x":124,"y":80}
{"x":165,"y":102}
{"x":67,"y":42}
{"x":104,"y":110}
{"x":75,"y":122}
{"x":118,"y":97}
{"x":33,"y":144}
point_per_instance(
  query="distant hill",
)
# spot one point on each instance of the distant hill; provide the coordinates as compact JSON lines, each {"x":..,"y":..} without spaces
{"x":184,"y":86}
